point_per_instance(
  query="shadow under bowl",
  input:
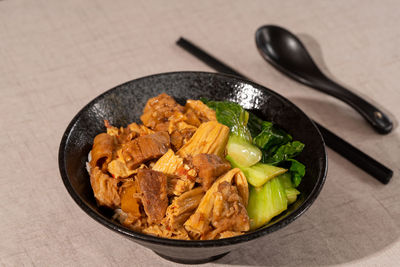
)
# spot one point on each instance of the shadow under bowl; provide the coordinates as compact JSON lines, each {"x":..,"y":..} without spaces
{"x":124,"y":104}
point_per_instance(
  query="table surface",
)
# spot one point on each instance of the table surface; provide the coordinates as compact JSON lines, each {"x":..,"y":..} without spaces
{"x":58,"y":55}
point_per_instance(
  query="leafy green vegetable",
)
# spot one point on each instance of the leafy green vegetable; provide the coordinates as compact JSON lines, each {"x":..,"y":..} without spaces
{"x":275,"y":146}
{"x":286,"y":180}
{"x":266,"y":202}
{"x":239,"y":145}
{"x":291,"y":192}
{"x":283,"y":152}
{"x":297,"y":170}
{"x":254,"y":124}
{"x":271,"y":136}
{"x":270,"y":200}
{"x":242,"y":151}
{"x":231,"y":115}
{"x":272,"y":187}
{"x":211,"y":104}
{"x":257,"y":174}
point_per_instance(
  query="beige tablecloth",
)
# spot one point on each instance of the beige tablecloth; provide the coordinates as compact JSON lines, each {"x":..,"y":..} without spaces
{"x":58,"y":55}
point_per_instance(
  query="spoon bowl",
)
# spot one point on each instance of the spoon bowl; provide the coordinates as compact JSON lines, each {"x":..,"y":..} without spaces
{"x":286,"y":52}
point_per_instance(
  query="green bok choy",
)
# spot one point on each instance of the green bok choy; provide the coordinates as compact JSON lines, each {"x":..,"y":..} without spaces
{"x":265,"y":154}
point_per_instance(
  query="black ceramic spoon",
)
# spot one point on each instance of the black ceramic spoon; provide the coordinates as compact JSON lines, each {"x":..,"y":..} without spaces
{"x":285,"y":52}
{"x":357,"y":157}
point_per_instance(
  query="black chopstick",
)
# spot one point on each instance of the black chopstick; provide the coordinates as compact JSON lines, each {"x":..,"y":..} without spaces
{"x":348,"y":151}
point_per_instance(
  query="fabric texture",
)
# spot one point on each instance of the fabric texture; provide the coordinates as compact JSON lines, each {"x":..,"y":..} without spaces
{"x":58,"y":55}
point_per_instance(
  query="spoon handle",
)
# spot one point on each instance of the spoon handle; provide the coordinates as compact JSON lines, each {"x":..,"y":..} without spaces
{"x":378,"y":120}
{"x":357,"y":157}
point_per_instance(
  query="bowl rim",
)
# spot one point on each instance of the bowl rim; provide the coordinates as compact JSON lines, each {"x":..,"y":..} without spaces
{"x":177,"y":242}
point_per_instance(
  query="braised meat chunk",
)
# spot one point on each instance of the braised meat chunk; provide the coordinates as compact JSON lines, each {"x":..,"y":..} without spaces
{"x":164,"y":231}
{"x":145,"y":148}
{"x":139,"y":129}
{"x":182,"y":207}
{"x":158,"y":110}
{"x":123,"y":135}
{"x":202,"y":112}
{"x":163,"y":113}
{"x":105,"y":188}
{"x":181,"y":177}
{"x":229,"y":212}
{"x":179,"y":138}
{"x":209,"y":167}
{"x":153,"y":187}
{"x":222,"y":208}
{"x":102,"y":151}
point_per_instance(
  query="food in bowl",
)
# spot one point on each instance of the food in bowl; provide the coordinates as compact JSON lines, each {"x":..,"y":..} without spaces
{"x":206,"y":170}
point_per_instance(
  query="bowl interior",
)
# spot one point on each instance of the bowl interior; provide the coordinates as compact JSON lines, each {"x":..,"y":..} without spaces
{"x":124,"y":104}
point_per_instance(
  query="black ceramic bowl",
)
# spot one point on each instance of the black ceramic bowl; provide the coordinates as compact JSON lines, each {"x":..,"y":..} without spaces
{"x":124,"y":104}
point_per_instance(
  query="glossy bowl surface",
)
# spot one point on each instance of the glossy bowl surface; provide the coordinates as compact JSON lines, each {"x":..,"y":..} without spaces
{"x":124,"y":104}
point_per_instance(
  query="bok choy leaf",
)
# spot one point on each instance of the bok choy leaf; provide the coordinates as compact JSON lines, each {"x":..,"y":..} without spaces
{"x":239,"y":146}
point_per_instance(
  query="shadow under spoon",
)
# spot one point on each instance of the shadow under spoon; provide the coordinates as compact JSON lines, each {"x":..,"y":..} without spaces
{"x":285,"y":51}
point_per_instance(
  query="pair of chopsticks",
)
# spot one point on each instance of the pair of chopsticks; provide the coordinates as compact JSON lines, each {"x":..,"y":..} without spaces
{"x":348,"y":151}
